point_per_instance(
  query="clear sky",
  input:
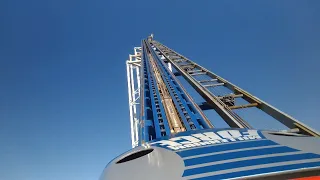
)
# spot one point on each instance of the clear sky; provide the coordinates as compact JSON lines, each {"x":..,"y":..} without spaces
{"x":63,"y":95}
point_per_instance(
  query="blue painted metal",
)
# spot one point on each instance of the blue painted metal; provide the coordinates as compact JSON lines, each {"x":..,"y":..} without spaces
{"x":240,"y":154}
{"x":185,"y":108}
{"x":154,"y":122}
{"x":177,"y":100}
{"x":195,"y":115}
{"x":147,"y":111}
{"x":155,"y":110}
{"x":225,"y":147}
{"x":251,"y":162}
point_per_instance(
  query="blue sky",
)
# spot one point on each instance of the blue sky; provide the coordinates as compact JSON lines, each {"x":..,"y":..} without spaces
{"x":63,"y":103}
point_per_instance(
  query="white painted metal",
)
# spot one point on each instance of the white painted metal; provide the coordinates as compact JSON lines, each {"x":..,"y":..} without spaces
{"x":130,"y":102}
{"x":133,"y":66}
{"x":170,"y":67}
{"x":138,"y":92}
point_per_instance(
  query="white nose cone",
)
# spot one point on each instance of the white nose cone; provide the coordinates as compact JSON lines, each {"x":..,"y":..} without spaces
{"x":156,"y":164}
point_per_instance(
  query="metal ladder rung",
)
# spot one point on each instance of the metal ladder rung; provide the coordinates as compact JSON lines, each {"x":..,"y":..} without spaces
{"x":244,"y":106}
{"x":232,"y":95}
{"x":213,"y":85}
{"x":186,"y":65}
{"x":199,"y":73}
{"x":180,"y":61}
{"x":193,"y":71}
{"x":209,"y":80}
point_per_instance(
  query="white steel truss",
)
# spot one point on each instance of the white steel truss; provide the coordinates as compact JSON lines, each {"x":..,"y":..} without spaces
{"x":133,"y":77}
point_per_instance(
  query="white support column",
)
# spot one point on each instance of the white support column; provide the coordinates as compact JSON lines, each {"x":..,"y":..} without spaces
{"x":133,"y":76}
{"x":138,"y":94}
{"x":170,"y":67}
{"x":133,"y":103}
{"x":130,"y":104}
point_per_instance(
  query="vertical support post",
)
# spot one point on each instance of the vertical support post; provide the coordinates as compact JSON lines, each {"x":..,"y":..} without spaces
{"x":170,"y":67}
{"x":138,"y":92}
{"x":133,"y":99}
{"x":133,"y":66}
{"x":130,"y":104}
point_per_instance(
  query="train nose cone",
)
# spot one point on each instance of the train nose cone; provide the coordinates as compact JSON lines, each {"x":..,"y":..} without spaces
{"x":145,"y":163}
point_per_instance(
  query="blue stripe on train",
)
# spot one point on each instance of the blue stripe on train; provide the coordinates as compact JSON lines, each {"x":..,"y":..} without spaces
{"x":225,"y":147}
{"x":251,"y":162}
{"x":239,"y":154}
{"x":260,"y":171}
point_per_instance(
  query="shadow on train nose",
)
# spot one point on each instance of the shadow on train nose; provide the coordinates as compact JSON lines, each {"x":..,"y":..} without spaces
{"x":145,"y":164}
